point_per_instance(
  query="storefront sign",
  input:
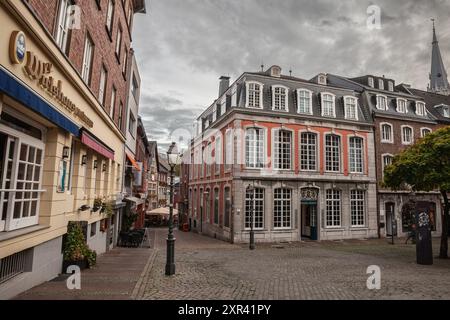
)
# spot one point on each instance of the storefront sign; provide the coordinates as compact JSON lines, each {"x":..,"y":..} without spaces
{"x":40,"y":71}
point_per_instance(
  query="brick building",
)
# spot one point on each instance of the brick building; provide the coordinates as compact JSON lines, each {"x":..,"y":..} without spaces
{"x":67,"y":120}
{"x":304,"y":147}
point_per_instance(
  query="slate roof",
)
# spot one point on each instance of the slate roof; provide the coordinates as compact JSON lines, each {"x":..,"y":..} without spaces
{"x":432,"y":100}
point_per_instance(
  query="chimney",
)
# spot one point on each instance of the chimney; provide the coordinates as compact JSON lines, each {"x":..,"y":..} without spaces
{"x":224,"y":84}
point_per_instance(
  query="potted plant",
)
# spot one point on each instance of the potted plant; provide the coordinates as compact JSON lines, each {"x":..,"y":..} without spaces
{"x":108,"y":208}
{"x":98,"y":203}
{"x":76,"y":251}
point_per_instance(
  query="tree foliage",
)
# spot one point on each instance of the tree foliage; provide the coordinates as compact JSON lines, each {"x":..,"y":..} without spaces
{"x":425,"y":166}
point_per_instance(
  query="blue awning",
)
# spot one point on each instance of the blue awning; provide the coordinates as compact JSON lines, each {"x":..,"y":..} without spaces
{"x":18,"y":91}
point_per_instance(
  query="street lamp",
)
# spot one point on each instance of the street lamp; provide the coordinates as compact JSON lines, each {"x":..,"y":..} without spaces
{"x":251,"y":190}
{"x":173,"y":157}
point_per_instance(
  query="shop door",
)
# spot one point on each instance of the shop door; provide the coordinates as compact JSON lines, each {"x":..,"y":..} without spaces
{"x":391,"y":223}
{"x":309,"y":220}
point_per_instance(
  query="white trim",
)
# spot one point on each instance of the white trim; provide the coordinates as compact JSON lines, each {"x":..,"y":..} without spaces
{"x":385,"y":99}
{"x":310,"y":101}
{"x":264,"y":129}
{"x":254,"y":200}
{"x":286,"y":97}
{"x":273,"y":130}
{"x":381,"y":132}
{"x":326,"y":226}
{"x":412,"y":135}
{"x":318,"y":154}
{"x":363,"y":154}
{"x":346,"y":107}
{"x":424,"y":128}
{"x":341,"y":152}
{"x":382,"y":162}
{"x":247,"y":95}
{"x":398,"y":104}
{"x":424,"y":108}
{"x":322,"y":95}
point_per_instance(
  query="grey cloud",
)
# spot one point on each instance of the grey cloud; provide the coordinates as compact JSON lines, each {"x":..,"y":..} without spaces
{"x":183,"y":46}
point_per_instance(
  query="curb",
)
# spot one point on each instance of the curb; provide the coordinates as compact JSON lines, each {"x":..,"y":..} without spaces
{"x":139,"y":288}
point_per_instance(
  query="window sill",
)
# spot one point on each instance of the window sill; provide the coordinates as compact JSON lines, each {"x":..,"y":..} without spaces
{"x":8,"y":235}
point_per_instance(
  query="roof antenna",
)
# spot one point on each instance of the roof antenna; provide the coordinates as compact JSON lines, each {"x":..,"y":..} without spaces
{"x":262,"y":66}
{"x":290,"y":72}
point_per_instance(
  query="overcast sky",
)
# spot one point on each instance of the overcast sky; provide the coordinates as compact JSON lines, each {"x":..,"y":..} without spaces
{"x":184,"y":46}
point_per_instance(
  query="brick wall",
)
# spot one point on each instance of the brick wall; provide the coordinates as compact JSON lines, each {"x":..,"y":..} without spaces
{"x":93,"y":22}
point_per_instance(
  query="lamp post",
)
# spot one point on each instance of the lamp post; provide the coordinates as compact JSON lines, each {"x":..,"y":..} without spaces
{"x":173,"y":158}
{"x":251,"y":190}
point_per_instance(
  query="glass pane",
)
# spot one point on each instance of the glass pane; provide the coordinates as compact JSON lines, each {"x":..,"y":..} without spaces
{"x":17,"y":208}
{"x":27,"y":195}
{"x":30,"y":168}
{"x":19,"y":195}
{"x":8,"y":185}
{"x":37,"y":171}
{"x":35,"y":186}
{"x":34,"y":195}
{"x":26,"y":209}
{"x":21,"y":173}
{"x":33,"y":211}
{"x":31,"y":154}
{"x":38,"y":156}
{"x":23,"y":152}
{"x":28,"y":186}
{"x":9,"y":170}
{"x":20,"y":185}
{"x":12,"y":145}
{"x":5,"y":208}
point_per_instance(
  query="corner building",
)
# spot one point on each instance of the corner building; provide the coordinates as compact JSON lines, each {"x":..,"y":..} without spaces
{"x":304,"y":147}
{"x":62,"y":94}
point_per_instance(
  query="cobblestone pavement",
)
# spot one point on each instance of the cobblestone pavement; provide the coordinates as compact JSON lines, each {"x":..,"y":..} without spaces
{"x":212,"y":269}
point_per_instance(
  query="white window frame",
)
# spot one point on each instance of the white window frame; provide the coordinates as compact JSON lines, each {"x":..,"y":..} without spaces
{"x":391,"y":86}
{"x":214,"y":113}
{"x":119,"y":37}
{"x":425,"y":128}
{"x":371,"y":82}
{"x":339,"y":151}
{"x":446,"y":111}
{"x":359,"y":203}
{"x":391,"y":132}
{"x":333,"y":213}
{"x":348,"y":105}
{"x":256,"y":145}
{"x":352,"y":153}
{"x":385,"y":100}
{"x":110,"y":15}
{"x":102,"y":86}
{"x":275,"y":95}
{"x":234,"y":96}
{"x":403,"y":136}
{"x":218,"y":153}
{"x":229,"y":155}
{"x":283,"y":214}
{"x":333,"y":105}
{"x":381,"y":84}
{"x":87,"y":59}
{"x":223,"y":106}
{"x":383,"y":165}
{"x":112,"y":106}
{"x":399,"y":100}
{"x":317,"y":148}
{"x":423,"y":109}
{"x":62,"y":32}
{"x":11,"y":223}
{"x":275,"y":154}
{"x":309,"y":92}
{"x":262,"y":204}
{"x":247,"y":96}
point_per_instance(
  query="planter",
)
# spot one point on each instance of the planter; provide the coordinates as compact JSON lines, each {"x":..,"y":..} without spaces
{"x":82,"y":264}
{"x":95,"y":209}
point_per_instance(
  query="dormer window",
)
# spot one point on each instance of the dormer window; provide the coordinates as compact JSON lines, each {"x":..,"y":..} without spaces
{"x":322,"y":79}
{"x":275,"y":71}
{"x":370,"y":81}
{"x":214,"y":113}
{"x":350,"y":106}
{"x":223,"y":105}
{"x":401,"y":105}
{"x":391,"y":86}
{"x":304,"y":101}
{"x":443,"y":110}
{"x":381,"y":103}
{"x":280,"y":98}
{"x":328,"y":105}
{"x":254,"y":95}
{"x":420,"y":108}
{"x":380,"y":84}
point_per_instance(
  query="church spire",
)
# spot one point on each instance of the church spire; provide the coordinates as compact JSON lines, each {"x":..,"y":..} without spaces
{"x":438,"y":75}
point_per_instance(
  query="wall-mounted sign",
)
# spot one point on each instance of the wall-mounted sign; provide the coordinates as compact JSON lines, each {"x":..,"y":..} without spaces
{"x":17,"y":47}
{"x":39,"y":70}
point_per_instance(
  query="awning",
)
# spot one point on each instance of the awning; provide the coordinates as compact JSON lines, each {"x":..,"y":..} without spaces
{"x":136,"y":200}
{"x":96,"y":145}
{"x":133,"y":162}
{"x":161,"y":212}
{"x":20,"y":92}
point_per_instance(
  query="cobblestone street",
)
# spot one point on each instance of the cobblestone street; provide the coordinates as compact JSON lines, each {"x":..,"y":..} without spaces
{"x":211,"y":269}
